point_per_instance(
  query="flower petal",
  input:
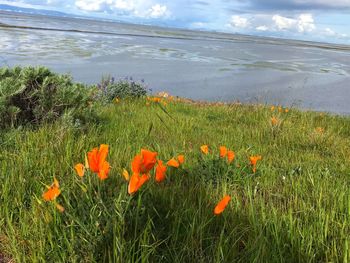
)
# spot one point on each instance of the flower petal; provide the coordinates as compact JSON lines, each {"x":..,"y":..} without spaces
{"x":223,"y":151}
{"x":173,"y":163}
{"x":230,"y":156}
{"x":205,"y":149}
{"x":220,"y":207}
{"x":80,"y":169}
{"x":181,"y":158}
{"x":160,"y":171}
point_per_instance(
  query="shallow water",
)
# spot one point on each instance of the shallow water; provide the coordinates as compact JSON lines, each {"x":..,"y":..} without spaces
{"x":198,"y":65}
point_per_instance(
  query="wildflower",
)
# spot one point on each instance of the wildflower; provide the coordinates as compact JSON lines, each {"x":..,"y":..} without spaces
{"x":254,"y":160}
{"x":144,"y":162}
{"x":274,"y":121}
{"x":272,"y":108}
{"x":160,"y":171}
{"x":286,"y":110}
{"x":319,"y":130}
{"x":181,"y":158}
{"x":136,"y":181}
{"x":163,"y":94}
{"x":220,"y":207}
{"x":60,"y":208}
{"x":116,"y":100}
{"x":205,"y":149}
{"x":97,"y":161}
{"x":280,"y":109}
{"x":176,"y":162}
{"x":154,"y":99}
{"x":173,"y":163}
{"x":52,"y":192}
{"x":104,"y":170}
{"x":80,"y":169}
{"x":230,"y":156}
{"x":126,"y":174}
{"x":223,"y":151}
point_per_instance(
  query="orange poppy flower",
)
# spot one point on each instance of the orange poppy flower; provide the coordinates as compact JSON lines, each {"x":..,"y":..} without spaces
{"x":254,"y":160}
{"x":52,"y":192}
{"x":97,"y":157}
{"x":319,"y":130}
{"x":160,"y":171}
{"x":205,"y":149}
{"x":286,"y":110}
{"x":274,"y":121}
{"x":220,"y":207}
{"x":230,"y":156}
{"x":97,"y":161}
{"x":60,"y":208}
{"x":181,"y":158}
{"x":223,"y":151}
{"x":272,"y":108}
{"x":173,"y":163}
{"x":104,"y":170}
{"x":136,"y":181}
{"x":80,"y":169}
{"x":144,"y":162}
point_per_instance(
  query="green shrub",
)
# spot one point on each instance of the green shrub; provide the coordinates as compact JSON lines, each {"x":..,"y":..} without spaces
{"x":33,"y":95}
{"x":109,"y":89}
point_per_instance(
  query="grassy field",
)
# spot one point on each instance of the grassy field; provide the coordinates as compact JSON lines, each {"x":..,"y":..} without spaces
{"x":295,"y":208}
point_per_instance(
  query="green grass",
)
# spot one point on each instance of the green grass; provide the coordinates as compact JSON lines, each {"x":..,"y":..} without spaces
{"x":295,"y":208}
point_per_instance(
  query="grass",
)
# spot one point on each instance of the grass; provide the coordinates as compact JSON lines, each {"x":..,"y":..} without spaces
{"x":295,"y":208}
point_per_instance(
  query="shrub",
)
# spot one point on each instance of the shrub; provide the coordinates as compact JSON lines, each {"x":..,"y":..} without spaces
{"x":109,"y":89}
{"x":33,"y":95}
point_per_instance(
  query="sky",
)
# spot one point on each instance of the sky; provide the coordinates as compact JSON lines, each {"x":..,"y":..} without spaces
{"x":314,"y":20}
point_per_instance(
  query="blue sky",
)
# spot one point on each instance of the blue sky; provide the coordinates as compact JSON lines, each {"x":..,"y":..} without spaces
{"x":319,"y":20}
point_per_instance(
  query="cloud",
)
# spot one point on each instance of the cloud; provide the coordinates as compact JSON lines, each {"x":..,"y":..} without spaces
{"x":283,"y":23}
{"x":331,"y":33}
{"x":262,"y":28}
{"x":298,"y":4}
{"x":136,"y":8}
{"x":158,"y":11}
{"x":92,"y":5}
{"x":239,"y":22}
{"x":303,"y":23}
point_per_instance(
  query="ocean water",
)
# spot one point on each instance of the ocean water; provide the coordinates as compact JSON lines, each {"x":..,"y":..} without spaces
{"x":199,"y":65}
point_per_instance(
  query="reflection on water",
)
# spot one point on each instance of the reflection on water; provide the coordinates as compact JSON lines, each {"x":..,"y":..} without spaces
{"x":199,"y":65}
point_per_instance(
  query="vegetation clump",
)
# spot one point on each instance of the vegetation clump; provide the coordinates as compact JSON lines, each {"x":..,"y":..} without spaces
{"x":178,"y":181}
{"x":34,"y":95}
{"x":110,"y":89}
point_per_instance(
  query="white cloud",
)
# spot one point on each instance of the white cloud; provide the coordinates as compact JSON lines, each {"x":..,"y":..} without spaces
{"x":158,"y":11}
{"x":124,"y":5}
{"x":303,"y":23}
{"x":239,"y":22}
{"x":306,"y":23}
{"x":137,"y":8}
{"x":331,"y":33}
{"x":283,"y":23}
{"x":92,"y":5}
{"x":262,"y":28}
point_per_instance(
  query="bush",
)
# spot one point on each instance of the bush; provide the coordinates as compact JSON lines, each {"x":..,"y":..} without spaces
{"x":109,"y":89}
{"x":33,"y":95}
